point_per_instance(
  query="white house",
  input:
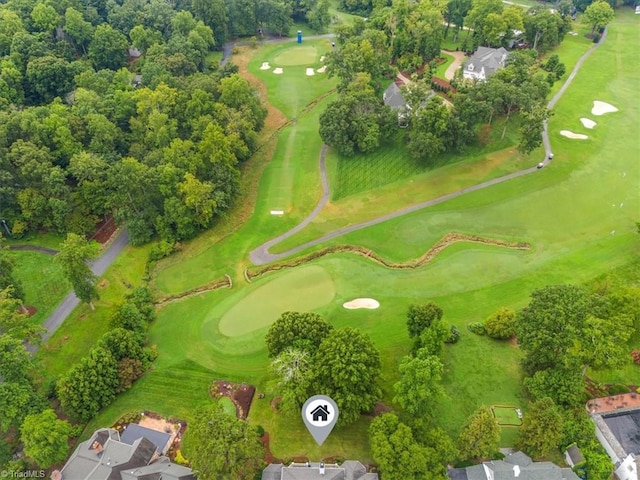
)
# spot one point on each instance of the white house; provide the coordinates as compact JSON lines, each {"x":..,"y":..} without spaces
{"x":484,"y":62}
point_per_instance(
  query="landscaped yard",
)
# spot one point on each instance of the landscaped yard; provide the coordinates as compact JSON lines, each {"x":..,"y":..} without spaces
{"x":577,"y":214}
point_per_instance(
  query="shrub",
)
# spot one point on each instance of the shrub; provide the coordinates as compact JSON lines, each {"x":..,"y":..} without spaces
{"x":179,"y":459}
{"x":477,"y":328}
{"x":161,"y":250}
{"x":636,"y":356}
{"x":454,"y":336}
{"x":501,"y":325}
{"x":260,"y":430}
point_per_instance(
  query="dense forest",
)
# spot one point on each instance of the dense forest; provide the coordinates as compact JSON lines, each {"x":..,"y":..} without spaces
{"x":82,"y":137}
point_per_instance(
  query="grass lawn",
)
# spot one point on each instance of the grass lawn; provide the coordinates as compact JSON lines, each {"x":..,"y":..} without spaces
{"x":42,"y":279}
{"x":506,"y":415}
{"x":566,"y":212}
{"x":442,"y":68}
{"x":228,"y":406}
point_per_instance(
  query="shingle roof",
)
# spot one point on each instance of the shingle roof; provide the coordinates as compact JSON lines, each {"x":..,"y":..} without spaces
{"x":393,"y":97}
{"x":349,"y":470}
{"x":490,"y":59}
{"x":135,"y":431}
{"x":517,"y":466}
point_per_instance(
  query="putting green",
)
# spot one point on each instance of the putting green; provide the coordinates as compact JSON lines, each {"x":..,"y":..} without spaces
{"x":301,"y":289}
{"x":297,"y":55}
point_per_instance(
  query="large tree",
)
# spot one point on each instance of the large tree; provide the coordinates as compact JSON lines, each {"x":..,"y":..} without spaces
{"x":542,"y":429}
{"x":108,"y":48}
{"x":598,"y":14}
{"x":73,"y":256}
{"x":480,"y":435}
{"x":357,"y":122}
{"x":221,"y":446}
{"x":401,"y":454}
{"x":301,"y":330}
{"x":45,"y":438}
{"x":292,"y":369}
{"x":347,"y":368}
{"x":419,"y":386}
{"x":420,"y":317}
{"x":561,"y":326}
{"x":89,"y":385}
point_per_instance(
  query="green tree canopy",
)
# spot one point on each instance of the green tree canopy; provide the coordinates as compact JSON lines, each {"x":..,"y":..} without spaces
{"x":108,"y":48}
{"x":502,"y":324}
{"x":302,"y":330}
{"x":89,"y":385}
{"x":45,"y":438}
{"x":598,"y":14}
{"x":420,"y":317}
{"x":480,"y":435}
{"x":347,"y":368}
{"x":221,"y":446}
{"x":542,"y":429}
{"x":74,"y":253}
{"x":420,"y":383}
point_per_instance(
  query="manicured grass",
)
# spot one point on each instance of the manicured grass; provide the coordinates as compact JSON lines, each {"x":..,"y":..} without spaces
{"x":506,"y":415}
{"x":299,"y":290}
{"x":42,"y":279}
{"x":292,"y":91}
{"x":299,"y":55}
{"x":393,"y":162}
{"x":442,"y":68}
{"x":228,"y":406}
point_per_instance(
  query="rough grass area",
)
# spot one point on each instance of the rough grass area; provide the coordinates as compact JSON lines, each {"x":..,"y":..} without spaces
{"x":300,"y":290}
{"x":43,"y":282}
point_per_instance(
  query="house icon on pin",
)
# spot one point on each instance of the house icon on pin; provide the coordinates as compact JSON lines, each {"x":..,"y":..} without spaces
{"x":320,"y":413}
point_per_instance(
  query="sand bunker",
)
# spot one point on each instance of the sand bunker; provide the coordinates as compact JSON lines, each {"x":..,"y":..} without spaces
{"x":321,"y":69}
{"x":310,"y":72}
{"x":574,"y":136}
{"x":265,"y":66}
{"x":278,"y":71}
{"x":588,"y":123}
{"x":368,"y":303}
{"x":600,"y":108}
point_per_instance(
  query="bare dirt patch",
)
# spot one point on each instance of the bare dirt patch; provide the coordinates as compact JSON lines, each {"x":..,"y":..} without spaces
{"x":104,"y":231}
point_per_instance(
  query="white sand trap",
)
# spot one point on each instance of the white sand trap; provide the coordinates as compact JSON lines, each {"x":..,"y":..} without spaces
{"x":310,"y":72}
{"x":322,"y":58}
{"x":600,"y":108}
{"x":574,"y":136}
{"x":277,"y":212}
{"x":368,"y":303}
{"x":278,"y":71}
{"x":322,"y":69}
{"x":265,"y":66}
{"x":588,"y":123}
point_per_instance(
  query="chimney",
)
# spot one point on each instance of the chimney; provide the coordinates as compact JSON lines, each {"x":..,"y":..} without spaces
{"x":321,"y":468}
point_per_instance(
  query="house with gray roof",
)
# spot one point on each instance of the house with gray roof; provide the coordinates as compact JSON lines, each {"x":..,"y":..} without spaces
{"x":106,"y":457}
{"x":516,"y":466}
{"x":349,"y":470}
{"x":484,"y":62}
{"x":393,"y":98}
